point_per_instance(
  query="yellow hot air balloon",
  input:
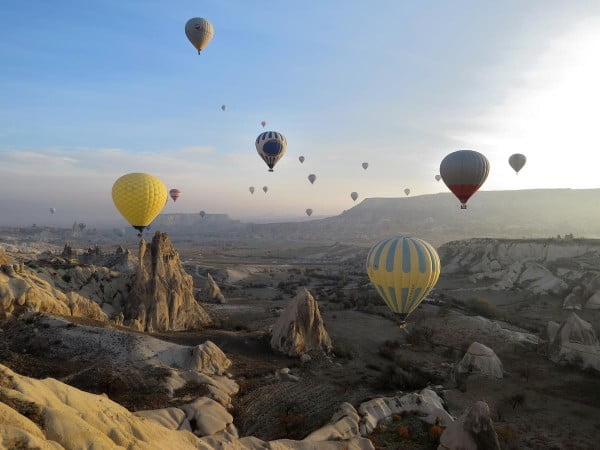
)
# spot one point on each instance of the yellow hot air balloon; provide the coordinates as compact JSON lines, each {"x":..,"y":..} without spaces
{"x":139,"y":197}
{"x":403,"y":271}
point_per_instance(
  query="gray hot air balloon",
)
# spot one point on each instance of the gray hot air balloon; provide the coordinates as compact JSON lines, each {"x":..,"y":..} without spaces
{"x":517,"y":161}
{"x":224,"y":107}
{"x":202,"y":214}
{"x":52,"y":210}
{"x":407,"y":191}
{"x":271,"y":147}
{"x":365,"y":165}
{"x":251,"y":189}
{"x":265,"y":189}
{"x":438,"y":177}
{"x":464,"y":171}
{"x":309,"y":212}
{"x":200,"y":32}
{"x":301,"y":159}
{"x":312,"y":177}
{"x":354,"y":195}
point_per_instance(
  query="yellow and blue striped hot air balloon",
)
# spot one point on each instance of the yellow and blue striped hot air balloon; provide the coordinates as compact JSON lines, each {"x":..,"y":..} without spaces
{"x":403,"y":271}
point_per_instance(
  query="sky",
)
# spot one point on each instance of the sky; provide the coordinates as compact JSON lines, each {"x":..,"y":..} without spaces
{"x":90,"y":91}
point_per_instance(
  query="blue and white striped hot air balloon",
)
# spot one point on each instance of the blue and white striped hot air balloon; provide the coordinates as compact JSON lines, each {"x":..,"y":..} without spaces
{"x":271,"y":147}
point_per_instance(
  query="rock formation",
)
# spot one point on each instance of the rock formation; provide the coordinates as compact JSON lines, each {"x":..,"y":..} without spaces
{"x":211,"y":292}
{"x":68,"y":252}
{"x":300,"y":327}
{"x":23,"y":290}
{"x":4,"y":259}
{"x":575,"y":342}
{"x":162,"y":296}
{"x":474,"y":430}
{"x":480,"y":359}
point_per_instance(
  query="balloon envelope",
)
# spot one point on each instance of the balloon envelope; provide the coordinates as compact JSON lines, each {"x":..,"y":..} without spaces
{"x":464,"y":171}
{"x":407,"y":191}
{"x":251,"y":189}
{"x":301,"y":159}
{"x":403,"y":271}
{"x":438,"y":178}
{"x":365,"y":165}
{"x":263,"y":123}
{"x":271,"y":147}
{"x":174,"y":193}
{"x":223,"y":107}
{"x":139,"y":197}
{"x":52,"y":210}
{"x":312,"y":177}
{"x":354,"y":195}
{"x":517,"y":161}
{"x":199,"y":31}
{"x":309,"y":212}
{"x":265,"y":189}
{"x":202,"y":214}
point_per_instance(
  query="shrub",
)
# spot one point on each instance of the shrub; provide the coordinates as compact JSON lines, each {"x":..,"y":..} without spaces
{"x":403,"y":432}
{"x":482,"y":307}
{"x":435,"y":431}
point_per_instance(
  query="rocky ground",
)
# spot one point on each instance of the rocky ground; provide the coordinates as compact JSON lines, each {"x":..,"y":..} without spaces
{"x":267,"y":359}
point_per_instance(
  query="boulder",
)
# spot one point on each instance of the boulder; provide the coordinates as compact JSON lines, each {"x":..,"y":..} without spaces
{"x":474,"y":430}
{"x":575,"y":299}
{"x":162,"y":296}
{"x":211,"y":292}
{"x":207,"y":416}
{"x":210,"y":359}
{"x":300,"y":328}
{"x":575,"y":342}
{"x":480,"y":359}
{"x":593,"y":302}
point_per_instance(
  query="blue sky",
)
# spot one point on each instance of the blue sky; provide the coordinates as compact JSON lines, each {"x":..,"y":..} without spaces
{"x":93,"y":90}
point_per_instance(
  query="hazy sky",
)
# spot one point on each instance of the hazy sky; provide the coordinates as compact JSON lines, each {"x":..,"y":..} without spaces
{"x":93,"y":90}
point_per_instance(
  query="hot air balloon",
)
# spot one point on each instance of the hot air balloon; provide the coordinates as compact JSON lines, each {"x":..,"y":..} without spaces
{"x":309,"y":212}
{"x":517,"y":161}
{"x":265,"y":189}
{"x":271,"y":146}
{"x":81,"y":226}
{"x":365,"y":165}
{"x":354,"y":195}
{"x":301,"y":159}
{"x":202,"y":214}
{"x":464,"y":171}
{"x":403,"y":271}
{"x":200,"y":32}
{"x":407,"y":191}
{"x":174,"y":193}
{"x":224,"y":107}
{"x":312,"y":177}
{"x":52,"y":210}
{"x":251,"y":189}
{"x":139,"y":197}
{"x":263,"y":123}
{"x":438,"y":177}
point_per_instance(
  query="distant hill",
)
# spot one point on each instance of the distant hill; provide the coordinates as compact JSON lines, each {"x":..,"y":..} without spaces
{"x":436,"y":218}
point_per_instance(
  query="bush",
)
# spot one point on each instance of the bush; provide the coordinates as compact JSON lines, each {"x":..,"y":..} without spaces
{"x":482,"y":307}
{"x":508,"y":437}
{"x":388,"y":349}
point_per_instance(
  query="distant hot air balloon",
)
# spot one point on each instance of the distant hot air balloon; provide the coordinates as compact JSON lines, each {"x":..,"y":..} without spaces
{"x":309,"y":212}
{"x":301,"y":159}
{"x":263,"y":123}
{"x":139,"y":197}
{"x":312,"y":177}
{"x":265,"y":189}
{"x":224,"y":107}
{"x":251,"y":189}
{"x":200,"y":32}
{"x":81,"y":226}
{"x":202,"y":214}
{"x":464,"y":171}
{"x":271,"y":146}
{"x":403,"y":271}
{"x":438,"y":177}
{"x":52,"y":210}
{"x":407,"y":191}
{"x":175,"y":194}
{"x":517,"y":161}
{"x":365,"y":165}
{"x":354,"y":195}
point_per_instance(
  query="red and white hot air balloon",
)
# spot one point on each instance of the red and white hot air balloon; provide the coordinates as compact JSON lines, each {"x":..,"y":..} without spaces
{"x":175,"y":194}
{"x":263,"y":123}
{"x":464,"y":172}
